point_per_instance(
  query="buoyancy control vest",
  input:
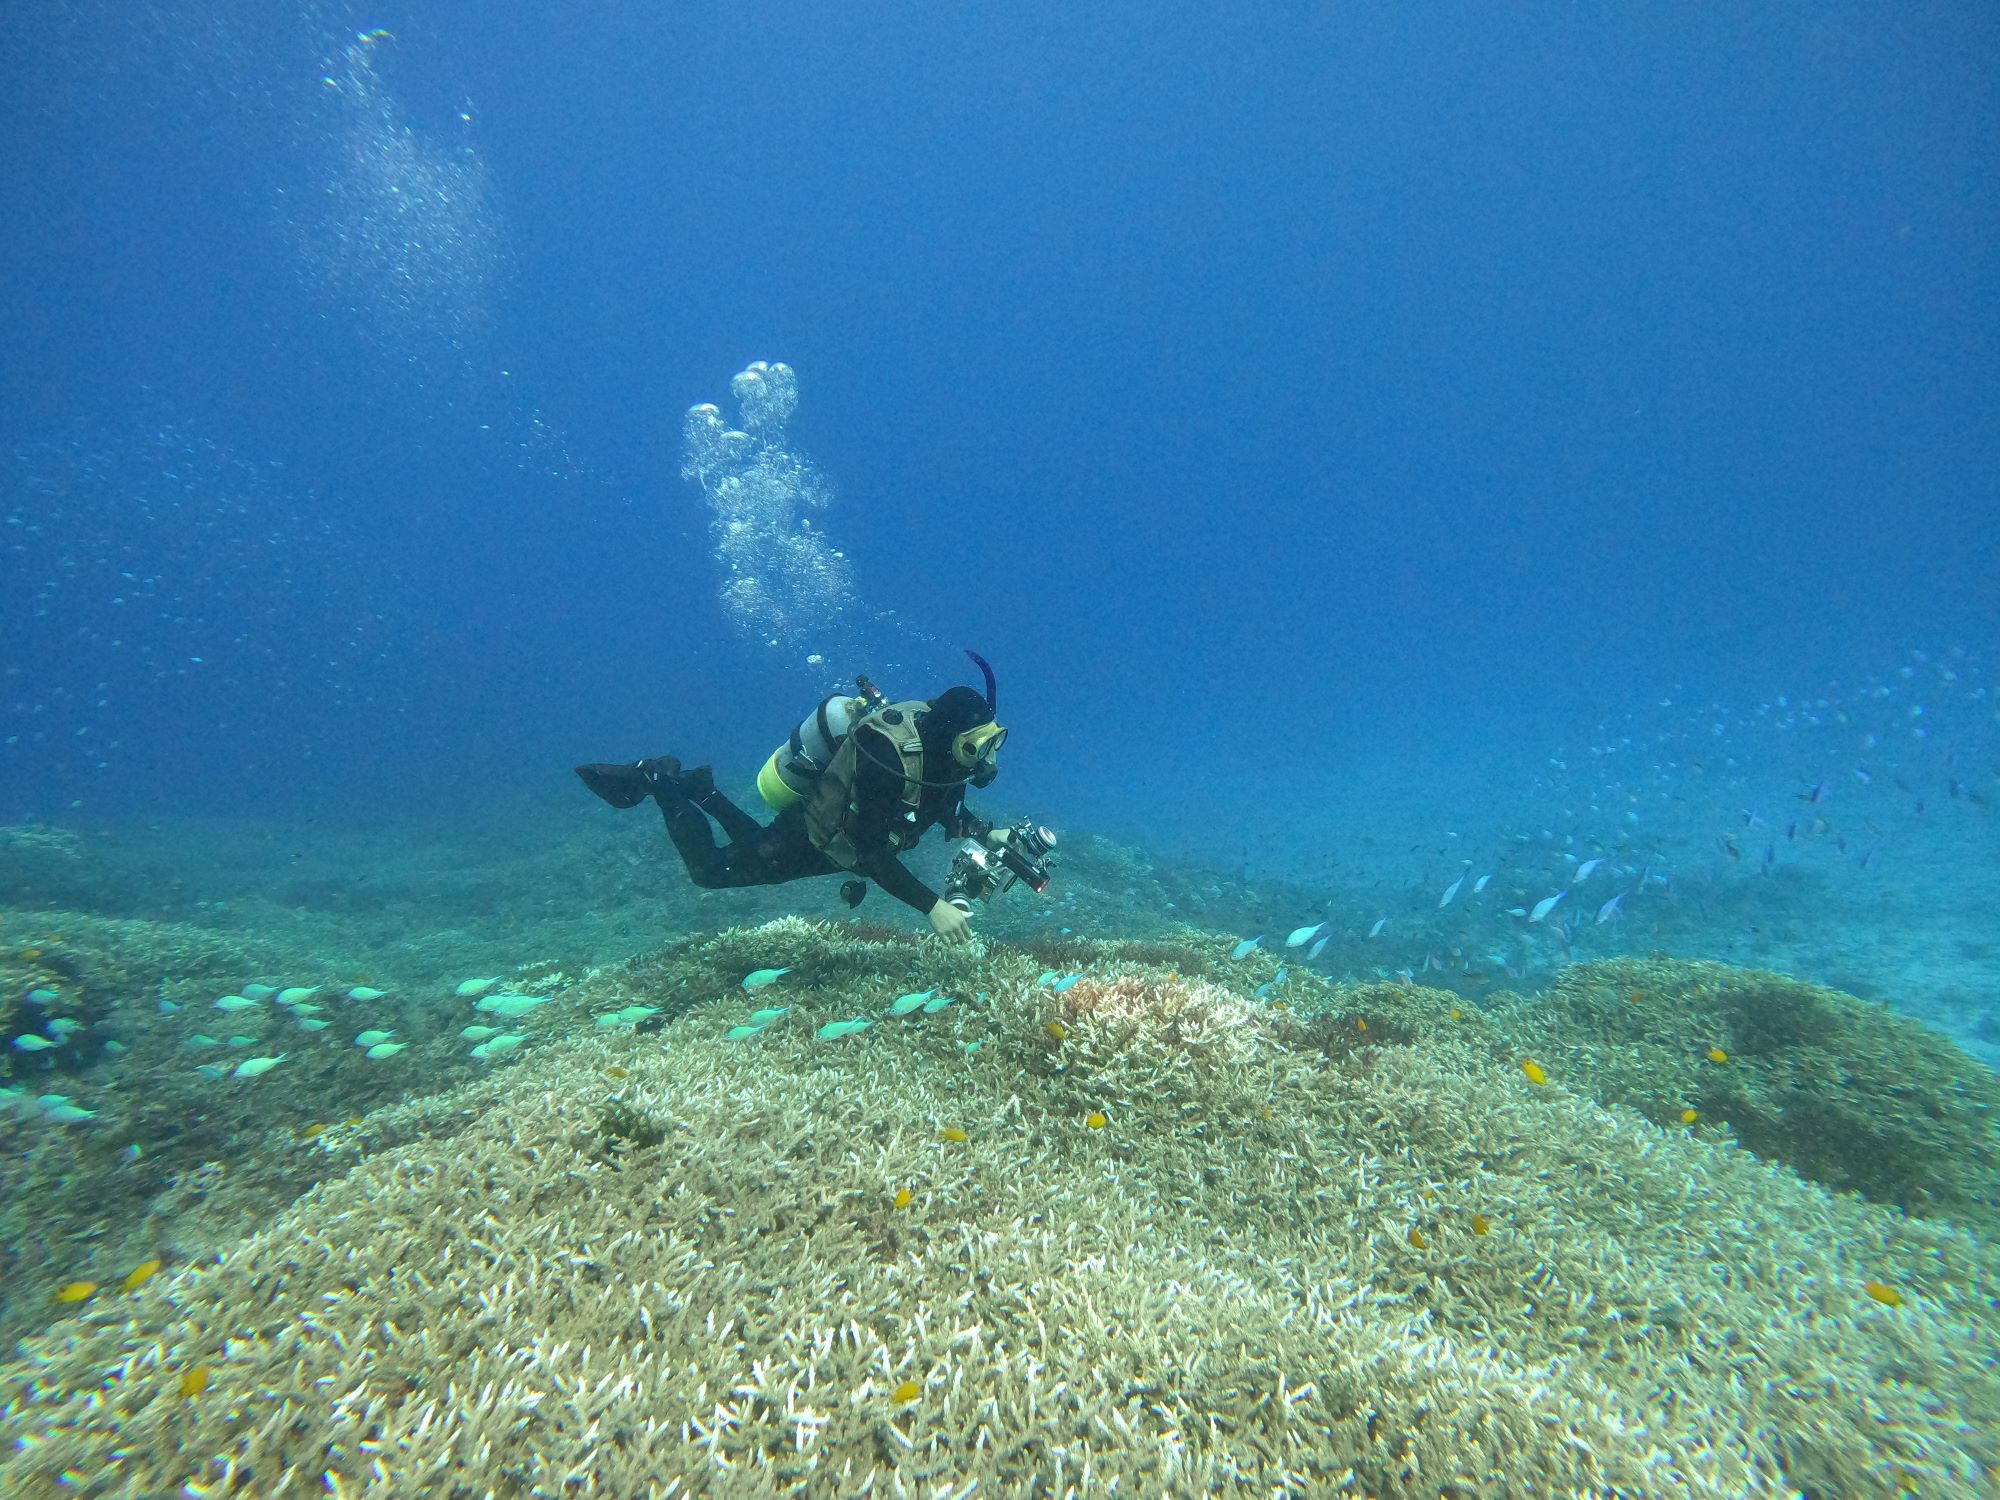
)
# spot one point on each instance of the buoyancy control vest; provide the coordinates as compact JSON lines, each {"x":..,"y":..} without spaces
{"x":831,"y":813}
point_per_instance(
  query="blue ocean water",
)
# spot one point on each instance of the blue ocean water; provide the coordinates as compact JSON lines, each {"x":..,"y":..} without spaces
{"x":1327,"y":424}
{"x":1353,"y":436}
{"x":1479,"y":488}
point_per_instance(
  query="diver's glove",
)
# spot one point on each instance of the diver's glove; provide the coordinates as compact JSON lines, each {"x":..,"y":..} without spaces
{"x":951,"y":923}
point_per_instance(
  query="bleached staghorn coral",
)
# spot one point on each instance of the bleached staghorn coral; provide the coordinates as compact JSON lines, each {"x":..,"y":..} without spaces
{"x":1216,"y":1292}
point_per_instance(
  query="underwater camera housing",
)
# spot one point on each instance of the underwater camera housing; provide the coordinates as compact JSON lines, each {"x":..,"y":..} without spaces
{"x":984,"y":868}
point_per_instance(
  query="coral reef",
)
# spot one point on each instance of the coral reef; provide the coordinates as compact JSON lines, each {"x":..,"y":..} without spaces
{"x":1141,"y":1233}
{"x":166,"y":1159}
{"x":1842,"y":1091}
{"x":43,"y":864}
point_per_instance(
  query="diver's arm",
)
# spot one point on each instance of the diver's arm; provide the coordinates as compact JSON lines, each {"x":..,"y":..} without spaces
{"x":886,"y":870}
{"x":878,"y":807}
{"x":964,"y":823}
{"x":971,"y":826}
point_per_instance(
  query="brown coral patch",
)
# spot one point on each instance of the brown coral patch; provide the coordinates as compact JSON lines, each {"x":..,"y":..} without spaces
{"x":1840,"y":1090}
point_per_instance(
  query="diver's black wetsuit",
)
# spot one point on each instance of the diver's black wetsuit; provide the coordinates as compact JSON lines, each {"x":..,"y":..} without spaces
{"x":757,"y":855}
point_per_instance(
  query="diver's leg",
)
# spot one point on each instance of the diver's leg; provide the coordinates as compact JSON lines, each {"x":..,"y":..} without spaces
{"x":694,"y":840}
{"x":697,"y":784}
{"x":687,"y":799}
{"x":787,"y":850}
{"x":738,"y":824}
{"x":756,"y":855}
{"x":780,"y":853}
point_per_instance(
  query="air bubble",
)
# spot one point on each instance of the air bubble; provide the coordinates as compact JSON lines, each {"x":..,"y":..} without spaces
{"x":782,"y":580}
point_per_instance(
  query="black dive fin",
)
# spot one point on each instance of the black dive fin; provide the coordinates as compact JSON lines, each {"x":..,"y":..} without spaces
{"x":621,"y":786}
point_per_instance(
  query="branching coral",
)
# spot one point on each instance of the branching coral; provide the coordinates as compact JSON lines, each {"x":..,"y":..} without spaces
{"x":1845,"y":1092}
{"x":892,"y":1264}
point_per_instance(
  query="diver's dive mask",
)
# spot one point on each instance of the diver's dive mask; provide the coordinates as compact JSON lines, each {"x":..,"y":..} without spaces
{"x":975,"y":750}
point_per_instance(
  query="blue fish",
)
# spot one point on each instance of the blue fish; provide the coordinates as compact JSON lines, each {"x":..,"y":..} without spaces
{"x":1243,"y":949}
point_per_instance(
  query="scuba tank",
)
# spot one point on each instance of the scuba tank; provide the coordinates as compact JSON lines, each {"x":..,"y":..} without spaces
{"x":795,"y":766}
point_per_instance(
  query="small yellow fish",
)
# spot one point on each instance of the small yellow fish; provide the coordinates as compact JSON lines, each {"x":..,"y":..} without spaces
{"x":1887,"y":1295}
{"x":1635,"y":997}
{"x":195,"y":1381}
{"x":1480,"y":1224}
{"x":141,"y":1274}
{"x":352,"y":1120}
{"x":951,"y":1133}
{"x":903,"y":1196}
{"x":905,"y":1393}
{"x":1097,"y":1119}
{"x":75,"y":1291}
{"x":616,"y":1073}
{"x":1457,"y":1015}
{"x":1689,"y":1116}
{"x":1416,"y":1238}
{"x":310,"y":1132}
{"x":31,"y":953}
{"x":1360,"y":1023}
{"x":1534,"y":1070}
{"x":1717,"y":1055}
{"x":1057,"y":1030}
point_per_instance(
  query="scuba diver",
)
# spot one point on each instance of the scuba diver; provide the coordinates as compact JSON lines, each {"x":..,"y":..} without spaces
{"x":857,"y":783}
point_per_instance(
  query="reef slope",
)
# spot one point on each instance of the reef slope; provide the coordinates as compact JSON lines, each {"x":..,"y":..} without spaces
{"x":1156,"y":1233}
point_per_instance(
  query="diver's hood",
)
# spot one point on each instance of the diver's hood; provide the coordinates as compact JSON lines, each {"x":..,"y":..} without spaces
{"x":959,"y":731}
